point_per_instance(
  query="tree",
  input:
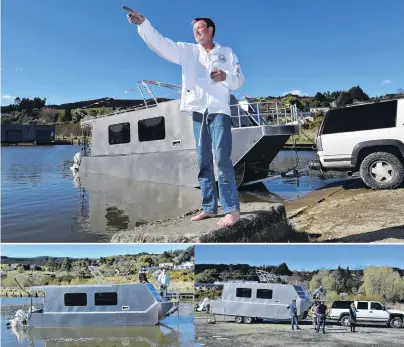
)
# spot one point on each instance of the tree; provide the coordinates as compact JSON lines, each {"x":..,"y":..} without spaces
{"x":356,"y":93}
{"x":383,"y":282}
{"x":66,"y":265}
{"x":207,"y":276}
{"x":283,"y":269}
{"x":68,"y":115}
{"x":50,"y":264}
{"x":320,"y":100}
{"x":48,"y":115}
{"x":344,"y":99}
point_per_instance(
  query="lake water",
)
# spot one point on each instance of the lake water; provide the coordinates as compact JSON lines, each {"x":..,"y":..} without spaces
{"x":41,"y":202}
{"x":175,"y":330}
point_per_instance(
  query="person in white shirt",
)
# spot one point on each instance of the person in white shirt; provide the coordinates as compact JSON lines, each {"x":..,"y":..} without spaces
{"x":210,"y":72}
{"x":164,"y":280}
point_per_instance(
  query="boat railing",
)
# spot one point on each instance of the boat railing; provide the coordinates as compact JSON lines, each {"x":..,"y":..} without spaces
{"x":263,"y":113}
{"x":248,"y":111}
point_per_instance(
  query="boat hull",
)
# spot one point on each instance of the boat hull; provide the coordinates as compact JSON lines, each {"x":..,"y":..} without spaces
{"x":253,"y":151}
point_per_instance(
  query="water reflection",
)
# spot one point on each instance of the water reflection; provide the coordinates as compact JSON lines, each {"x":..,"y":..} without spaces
{"x":118,"y":203}
{"x":100,"y":336}
{"x":41,"y":202}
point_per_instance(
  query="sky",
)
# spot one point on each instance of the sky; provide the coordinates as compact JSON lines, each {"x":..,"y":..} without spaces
{"x":84,"y":250}
{"x":72,"y":50}
{"x":303,"y":257}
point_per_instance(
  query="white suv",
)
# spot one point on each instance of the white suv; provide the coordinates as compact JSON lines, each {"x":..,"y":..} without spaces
{"x":368,"y":138}
{"x":367,"y":312}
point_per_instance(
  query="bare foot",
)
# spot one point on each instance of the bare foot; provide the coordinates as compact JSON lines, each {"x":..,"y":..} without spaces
{"x":229,"y":219}
{"x":202,"y":215}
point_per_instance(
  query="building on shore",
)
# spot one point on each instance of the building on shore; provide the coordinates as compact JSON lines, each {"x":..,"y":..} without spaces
{"x":25,"y":133}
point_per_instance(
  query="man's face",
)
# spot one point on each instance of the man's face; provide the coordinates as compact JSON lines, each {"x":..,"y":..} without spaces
{"x":202,"y":33}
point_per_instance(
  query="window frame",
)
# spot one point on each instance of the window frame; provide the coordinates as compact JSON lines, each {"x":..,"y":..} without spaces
{"x":75,"y":294}
{"x":264,"y":290}
{"x":244,"y":289}
{"x":140,"y":126}
{"x":123,"y":124}
{"x":100,"y":294}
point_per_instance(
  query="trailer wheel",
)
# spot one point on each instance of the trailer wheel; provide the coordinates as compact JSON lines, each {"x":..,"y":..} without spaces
{"x":248,"y":320}
{"x":238,"y":319}
{"x":396,"y":322}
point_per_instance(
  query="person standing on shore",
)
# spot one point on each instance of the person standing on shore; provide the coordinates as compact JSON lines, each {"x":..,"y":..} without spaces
{"x":352,"y":317}
{"x":314,"y":314}
{"x":321,"y":314}
{"x":209,"y":73}
{"x":293,"y":315}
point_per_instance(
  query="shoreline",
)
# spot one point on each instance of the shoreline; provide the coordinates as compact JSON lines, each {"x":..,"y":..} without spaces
{"x":344,"y":211}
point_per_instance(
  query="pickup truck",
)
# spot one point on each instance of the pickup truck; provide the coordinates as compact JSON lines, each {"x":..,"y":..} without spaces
{"x":367,"y":312}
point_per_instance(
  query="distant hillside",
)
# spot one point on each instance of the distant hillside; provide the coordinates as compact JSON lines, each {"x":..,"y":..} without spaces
{"x":94,"y":103}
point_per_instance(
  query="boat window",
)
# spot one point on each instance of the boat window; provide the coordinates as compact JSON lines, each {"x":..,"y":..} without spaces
{"x":264,"y":294}
{"x":119,"y":133}
{"x":243,"y":292}
{"x":75,"y":299}
{"x":106,"y":299}
{"x":364,"y":117}
{"x":152,"y":129}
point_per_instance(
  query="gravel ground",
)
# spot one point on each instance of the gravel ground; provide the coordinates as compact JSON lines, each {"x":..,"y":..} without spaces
{"x":225,"y":334}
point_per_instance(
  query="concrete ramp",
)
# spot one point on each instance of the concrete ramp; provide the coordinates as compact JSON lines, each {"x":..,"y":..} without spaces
{"x":260,"y":222}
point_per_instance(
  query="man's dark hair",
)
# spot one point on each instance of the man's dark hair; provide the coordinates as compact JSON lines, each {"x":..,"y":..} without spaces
{"x":209,"y":24}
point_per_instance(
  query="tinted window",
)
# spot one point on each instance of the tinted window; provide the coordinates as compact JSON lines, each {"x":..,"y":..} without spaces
{"x":152,"y":129}
{"x":362,"y":305}
{"x":75,"y":299}
{"x":376,"y":306}
{"x":243,"y":292}
{"x":341,"y":304}
{"x":365,"y":117}
{"x":119,"y":133}
{"x":106,"y":299}
{"x":264,"y":294}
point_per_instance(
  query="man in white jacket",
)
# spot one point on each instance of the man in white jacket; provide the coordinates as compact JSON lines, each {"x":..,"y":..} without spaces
{"x":209,"y":73}
{"x":164,"y":280}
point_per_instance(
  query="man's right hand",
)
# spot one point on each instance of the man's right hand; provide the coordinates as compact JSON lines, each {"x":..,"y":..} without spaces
{"x":133,"y":16}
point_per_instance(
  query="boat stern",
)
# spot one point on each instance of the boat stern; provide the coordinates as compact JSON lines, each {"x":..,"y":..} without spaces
{"x":165,"y":308}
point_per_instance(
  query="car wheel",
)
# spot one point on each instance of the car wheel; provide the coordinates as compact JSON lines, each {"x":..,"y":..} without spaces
{"x":396,"y":322}
{"x":382,"y":170}
{"x":345,"y":321}
{"x":248,"y":320}
{"x":238,"y":319}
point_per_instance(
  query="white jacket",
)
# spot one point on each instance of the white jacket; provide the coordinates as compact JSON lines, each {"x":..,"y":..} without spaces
{"x":198,"y":92}
{"x":163,"y":279}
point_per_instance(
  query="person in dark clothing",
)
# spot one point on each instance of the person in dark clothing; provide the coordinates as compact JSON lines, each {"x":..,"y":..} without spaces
{"x":143,"y":276}
{"x":352,"y":317}
{"x":321,"y":313}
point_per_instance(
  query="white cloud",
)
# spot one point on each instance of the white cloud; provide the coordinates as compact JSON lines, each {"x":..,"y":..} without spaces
{"x":7,"y":97}
{"x":295,"y":92}
{"x":387,"y":82}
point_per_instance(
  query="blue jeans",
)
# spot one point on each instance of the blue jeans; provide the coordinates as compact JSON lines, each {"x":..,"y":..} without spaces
{"x":214,"y":131}
{"x":320,"y":322}
{"x":294,"y":321}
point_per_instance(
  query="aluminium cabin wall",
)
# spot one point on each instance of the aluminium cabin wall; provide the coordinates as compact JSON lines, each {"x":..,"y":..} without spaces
{"x":136,"y":296}
{"x":275,"y":308}
{"x":178,"y":126}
